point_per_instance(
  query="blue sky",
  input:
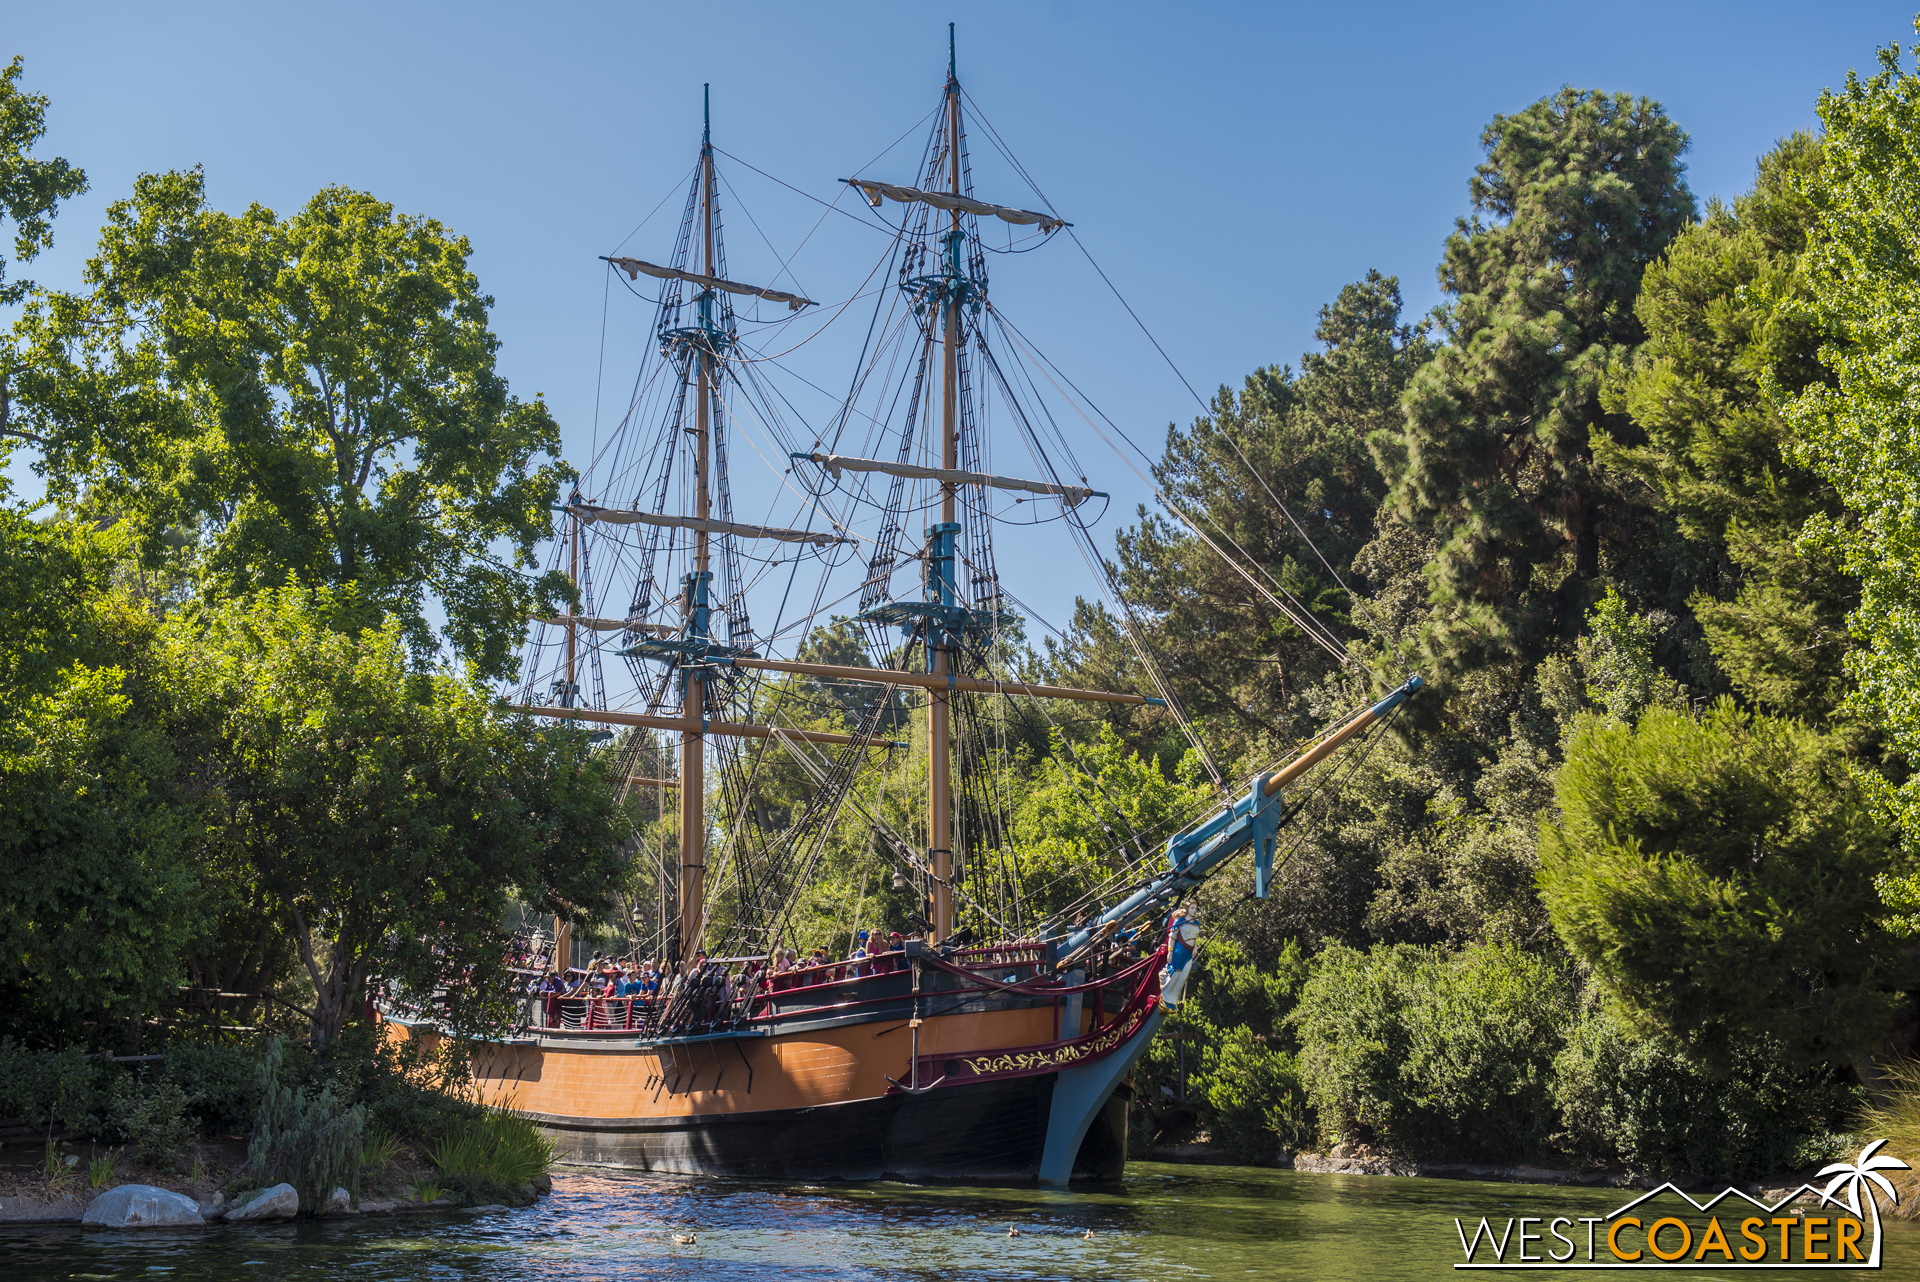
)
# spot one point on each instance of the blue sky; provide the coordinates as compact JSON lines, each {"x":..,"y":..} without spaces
{"x":1230,"y":166}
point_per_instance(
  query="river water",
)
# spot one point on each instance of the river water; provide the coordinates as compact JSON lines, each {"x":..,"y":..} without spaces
{"x":1164,"y":1224}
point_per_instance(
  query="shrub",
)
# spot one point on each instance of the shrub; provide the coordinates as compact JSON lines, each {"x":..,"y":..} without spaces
{"x":223,"y":1081}
{"x":1431,"y":1053}
{"x":153,"y":1119}
{"x":1654,"y":1105}
{"x":311,"y":1140}
{"x":499,"y":1145}
{"x":1258,"y":1101}
{"x":70,"y":1087}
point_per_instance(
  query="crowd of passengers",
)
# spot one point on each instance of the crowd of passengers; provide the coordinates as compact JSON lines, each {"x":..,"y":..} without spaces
{"x":613,"y":994}
{"x":634,"y":994}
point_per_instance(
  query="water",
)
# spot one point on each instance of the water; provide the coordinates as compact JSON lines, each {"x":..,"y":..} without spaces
{"x":1164,"y":1222}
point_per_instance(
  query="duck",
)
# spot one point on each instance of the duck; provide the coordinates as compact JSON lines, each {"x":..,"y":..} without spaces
{"x":684,"y":1239}
{"x":1088,"y":1235}
{"x":1012,"y":1232}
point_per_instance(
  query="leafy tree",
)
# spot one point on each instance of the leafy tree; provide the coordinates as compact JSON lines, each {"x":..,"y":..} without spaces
{"x":1728,"y":335}
{"x":30,"y":190}
{"x":1583,"y":190}
{"x":1300,"y":439}
{"x":98,"y":893}
{"x":1718,"y":875}
{"x":1862,"y":278}
{"x":1090,"y":812}
{"x":315,"y":397}
{"x":390,"y":817}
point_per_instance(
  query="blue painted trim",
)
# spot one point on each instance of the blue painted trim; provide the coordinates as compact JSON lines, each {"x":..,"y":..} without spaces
{"x":1078,"y":1096}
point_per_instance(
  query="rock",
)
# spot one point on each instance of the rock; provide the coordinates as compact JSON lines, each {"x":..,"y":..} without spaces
{"x":494,"y":1206}
{"x":277,"y":1203}
{"x":378,"y":1208}
{"x":141,"y":1206}
{"x":340,"y":1203}
{"x":543,"y":1183}
{"x":1342,"y":1151}
{"x":219,"y":1199}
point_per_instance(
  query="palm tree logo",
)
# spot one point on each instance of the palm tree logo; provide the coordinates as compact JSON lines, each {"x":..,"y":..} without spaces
{"x":1864,"y":1172}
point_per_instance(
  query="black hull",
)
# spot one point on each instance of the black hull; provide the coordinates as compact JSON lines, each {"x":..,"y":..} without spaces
{"x":988,"y":1132}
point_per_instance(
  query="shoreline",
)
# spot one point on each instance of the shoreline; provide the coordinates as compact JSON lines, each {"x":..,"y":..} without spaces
{"x":1366,"y":1163}
{"x":26,"y":1209}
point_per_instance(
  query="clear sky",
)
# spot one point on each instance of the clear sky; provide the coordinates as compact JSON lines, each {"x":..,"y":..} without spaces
{"x":1230,"y":166}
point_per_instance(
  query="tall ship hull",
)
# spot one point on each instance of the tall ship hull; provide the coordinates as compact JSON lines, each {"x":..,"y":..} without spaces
{"x":1021,"y":1082}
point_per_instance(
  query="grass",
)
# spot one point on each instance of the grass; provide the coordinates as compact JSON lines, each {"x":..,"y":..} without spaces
{"x":1897,"y":1121}
{"x":101,"y":1168}
{"x":500,"y":1145}
{"x":378,"y":1149}
{"x":427,"y":1191}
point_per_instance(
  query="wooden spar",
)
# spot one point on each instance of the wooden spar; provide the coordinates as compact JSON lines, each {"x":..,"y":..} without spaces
{"x":939,"y":728}
{"x":1287,"y":774}
{"x":930,"y":681}
{"x":663,"y":783}
{"x":693,"y":820}
{"x":736,"y":729}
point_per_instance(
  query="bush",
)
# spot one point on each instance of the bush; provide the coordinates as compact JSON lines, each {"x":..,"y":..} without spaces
{"x":1653,"y":1106}
{"x":222,"y":1079}
{"x":311,"y":1140}
{"x":1434,"y":1054}
{"x":154,"y":1121}
{"x":1258,"y":1101}
{"x":70,"y":1088}
{"x":499,"y":1146}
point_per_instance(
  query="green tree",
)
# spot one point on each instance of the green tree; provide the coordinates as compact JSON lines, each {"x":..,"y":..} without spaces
{"x":1718,"y":875}
{"x":314,"y":397}
{"x":1300,"y":439}
{"x":1728,"y":335}
{"x":1862,"y":275}
{"x":30,"y":190}
{"x":1089,"y":813}
{"x":389,"y":818}
{"x":1582,"y":190}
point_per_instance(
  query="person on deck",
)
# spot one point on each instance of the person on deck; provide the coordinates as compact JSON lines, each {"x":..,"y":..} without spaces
{"x":550,"y":990}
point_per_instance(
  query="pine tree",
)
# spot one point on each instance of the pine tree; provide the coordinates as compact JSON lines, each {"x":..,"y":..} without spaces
{"x":1578,"y":194}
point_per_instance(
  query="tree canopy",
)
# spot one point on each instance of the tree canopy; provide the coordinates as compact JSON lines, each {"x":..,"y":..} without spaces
{"x":313,"y":398}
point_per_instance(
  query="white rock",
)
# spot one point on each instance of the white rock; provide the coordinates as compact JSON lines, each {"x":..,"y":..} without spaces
{"x":340,"y":1203}
{"x":141,"y":1206}
{"x":277,"y":1203}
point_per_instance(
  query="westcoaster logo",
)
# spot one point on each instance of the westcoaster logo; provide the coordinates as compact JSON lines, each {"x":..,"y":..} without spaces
{"x":1633,"y":1237}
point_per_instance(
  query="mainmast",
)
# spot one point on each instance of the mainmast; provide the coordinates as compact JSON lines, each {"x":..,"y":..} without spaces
{"x":694,"y":602}
{"x":940,"y":726}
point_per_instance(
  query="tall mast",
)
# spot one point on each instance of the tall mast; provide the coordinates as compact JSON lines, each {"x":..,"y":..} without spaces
{"x":693,"y":826}
{"x":939,"y":736}
{"x":562,"y":928}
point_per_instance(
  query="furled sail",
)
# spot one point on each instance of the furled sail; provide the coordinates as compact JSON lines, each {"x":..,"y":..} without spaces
{"x":873,"y":191}
{"x":617,"y":516}
{"x":835,"y":463}
{"x":633,"y":267}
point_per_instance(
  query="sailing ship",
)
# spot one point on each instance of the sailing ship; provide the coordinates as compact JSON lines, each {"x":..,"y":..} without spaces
{"x":990,"y":1047}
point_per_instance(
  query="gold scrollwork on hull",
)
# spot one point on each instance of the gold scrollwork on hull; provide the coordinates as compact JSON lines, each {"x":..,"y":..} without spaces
{"x":1059,"y":1056}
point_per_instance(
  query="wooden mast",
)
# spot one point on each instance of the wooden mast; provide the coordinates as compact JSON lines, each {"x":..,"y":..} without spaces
{"x":562,"y":928}
{"x":693,"y":824}
{"x":939,"y":732}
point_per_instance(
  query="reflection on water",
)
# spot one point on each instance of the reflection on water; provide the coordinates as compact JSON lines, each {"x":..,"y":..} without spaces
{"x":1164,"y":1222}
